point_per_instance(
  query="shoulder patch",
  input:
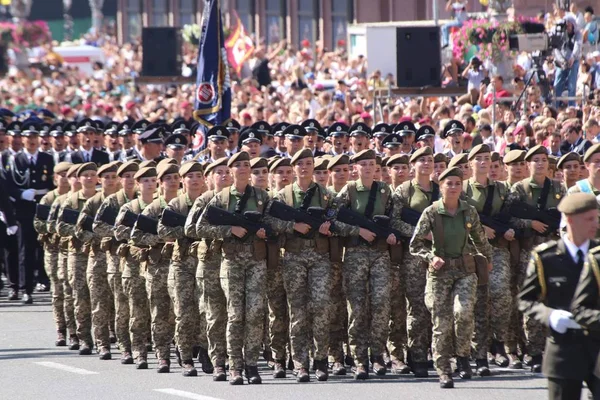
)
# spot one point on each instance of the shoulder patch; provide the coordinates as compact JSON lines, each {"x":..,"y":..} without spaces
{"x":545,"y":246}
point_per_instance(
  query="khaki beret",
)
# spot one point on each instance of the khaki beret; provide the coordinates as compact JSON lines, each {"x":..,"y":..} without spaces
{"x":90,"y":166}
{"x":341,"y":159}
{"x":190,"y":166}
{"x":423,"y":151}
{"x":282,"y":162}
{"x":217,"y":163}
{"x":304,"y":153}
{"x":129,"y":166}
{"x":479,"y":149}
{"x":535,"y":150}
{"x":107,"y":168}
{"x":458,"y":160}
{"x":321,"y":164}
{"x":166,"y":169}
{"x":571,"y":156}
{"x":239,"y":156}
{"x":166,"y":161}
{"x":496,"y":156}
{"x":73,"y":170}
{"x":514,"y":156}
{"x":378,"y":160}
{"x":366,"y":154}
{"x":454,"y":171}
{"x":591,"y":151}
{"x":398,"y":159}
{"x":146,"y":172}
{"x":259,"y":162}
{"x":62,"y":167}
{"x":440,"y":157}
{"x":385,"y":160}
{"x":552,"y":162}
{"x":577,"y":203}
{"x":271,"y":160}
{"x":148,"y":163}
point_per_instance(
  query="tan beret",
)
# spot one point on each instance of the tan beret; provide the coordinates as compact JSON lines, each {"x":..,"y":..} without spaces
{"x":129,"y":166}
{"x":72,"y":172}
{"x":62,"y":167}
{"x":259,"y":162}
{"x":366,"y":154}
{"x":458,"y":160}
{"x":385,"y":160}
{"x":304,"y":153}
{"x":271,"y":160}
{"x":341,"y":159}
{"x":148,"y":163}
{"x":479,"y":149}
{"x":496,"y":156}
{"x":190,"y":166}
{"x":514,"y":156}
{"x":221,"y":162}
{"x":108,"y":168}
{"x":577,"y":203}
{"x":535,"y":150}
{"x":454,"y":171}
{"x":146,"y":172}
{"x":90,"y":166}
{"x":282,"y":162}
{"x":552,"y":162}
{"x":166,"y":169}
{"x":423,"y":151}
{"x":378,"y":160}
{"x":239,"y":156}
{"x":321,"y":164}
{"x":571,"y":156}
{"x":398,"y":159}
{"x":166,"y":161}
{"x":440,"y":157}
{"x":591,"y":151}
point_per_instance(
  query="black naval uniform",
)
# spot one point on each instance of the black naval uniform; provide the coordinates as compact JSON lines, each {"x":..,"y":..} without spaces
{"x":552,"y":277}
{"x":21,"y":175}
{"x":99,"y":157}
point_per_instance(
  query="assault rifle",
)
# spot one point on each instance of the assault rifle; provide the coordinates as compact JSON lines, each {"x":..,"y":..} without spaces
{"x":250,"y":220}
{"x":550,"y":217}
{"x":172,"y":219}
{"x":313,"y":216}
{"x":379,"y":225}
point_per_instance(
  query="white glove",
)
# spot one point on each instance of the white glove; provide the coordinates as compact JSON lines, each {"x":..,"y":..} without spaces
{"x":11,"y":230}
{"x":561,"y":320}
{"x":28,"y":195}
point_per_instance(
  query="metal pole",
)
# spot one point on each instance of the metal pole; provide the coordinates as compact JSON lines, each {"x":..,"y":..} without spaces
{"x":435,"y":12}
{"x":493,"y":107}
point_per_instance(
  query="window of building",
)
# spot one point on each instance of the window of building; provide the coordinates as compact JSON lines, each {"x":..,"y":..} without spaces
{"x":274,"y":19}
{"x":245,"y":10}
{"x":307,"y":21}
{"x":160,"y":12}
{"x":339,"y":22}
{"x":134,"y":19}
{"x":187,"y":12}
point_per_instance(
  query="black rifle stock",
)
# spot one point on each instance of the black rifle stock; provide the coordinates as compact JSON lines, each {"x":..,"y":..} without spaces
{"x":147,"y":224}
{"x":250,"y":220}
{"x":172,"y":219}
{"x":410,"y":216}
{"x":70,"y":216}
{"x":108,"y":216}
{"x":379,"y":225}
{"x":42,"y":212}
{"x":314,"y":216}
{"x":550,"y":217}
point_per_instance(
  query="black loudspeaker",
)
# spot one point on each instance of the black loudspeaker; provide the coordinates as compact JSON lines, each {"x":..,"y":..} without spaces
{"x":418,"y":56}
{"x":161,"y":52}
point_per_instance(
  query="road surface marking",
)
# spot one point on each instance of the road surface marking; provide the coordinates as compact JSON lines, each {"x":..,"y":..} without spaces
{"x":67,"y":368}
{"x":184,"y":394}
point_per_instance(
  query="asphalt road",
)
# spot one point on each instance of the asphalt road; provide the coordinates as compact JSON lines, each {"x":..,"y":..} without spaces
{"x":31,"y":367}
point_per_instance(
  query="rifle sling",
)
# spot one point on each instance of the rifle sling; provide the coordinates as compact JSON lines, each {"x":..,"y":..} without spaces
{"x":371,"y":203}
{"x":308,"y":197}
{"x":487,"y":207}
{"x":241,"y":203}
{"x":435,"y":192}
{"x":543,"y":199}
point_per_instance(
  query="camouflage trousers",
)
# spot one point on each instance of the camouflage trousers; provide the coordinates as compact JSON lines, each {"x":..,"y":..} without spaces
{"x":516,"y":332}
{"x":77,"y":267}
{"x":397,"y":334}
{"x":190,"y":326}
{"x":213,"y":299}
{"x":242,"y":279}
{"x":306,"y":280}
{"x":134,"y":288}
{"x":121,"y":306}
{"x":161,"y":308}
{"x":450,"y":296}
{"x":338,"y":315}
{"x":278,"y":317}
{"x":68,"y":302}
{"x":58,"y":297}
{"x":367,"y":285}
{"x":493,"y":305}
{"x":100,"y":297}
{"x":418,"y":317}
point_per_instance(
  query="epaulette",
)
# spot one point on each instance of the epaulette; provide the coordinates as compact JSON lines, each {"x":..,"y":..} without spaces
{"x":545,"y":246}
{"x":595,"y":250}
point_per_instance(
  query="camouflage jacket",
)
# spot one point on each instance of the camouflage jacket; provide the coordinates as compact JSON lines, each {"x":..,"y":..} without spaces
{"x":51,"y":223}
{"x":90,"y":209}
{"x":153,"y":210}
{"x":401,"y":197}
{"x":384,"y":191}
{"x":193,"y":217}
{"x":114,"y":201}
{"x":519,"y":193}
{"x":181,"y":205}
{"x":40,"y":226}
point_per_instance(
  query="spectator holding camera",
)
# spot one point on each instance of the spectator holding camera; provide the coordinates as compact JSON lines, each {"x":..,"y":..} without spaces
{"x":475,"y":74}
{"x":566,"y":58}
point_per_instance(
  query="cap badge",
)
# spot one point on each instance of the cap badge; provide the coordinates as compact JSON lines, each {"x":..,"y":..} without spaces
{"x":405,"y":127}
{"x":125,"y":126}
{"x":177,"y":140}
{"x":88,"y":124}
{"x":454,"y":125}
{"x":251,"y":135}
{"x":394,"y":140}
{"x":383,"y":129}
{"x":339,"y":128}
{"x":182,"y":126}
{"x":312,"y":125}
{"x":261,"y":127}
{"x":296,"y":131}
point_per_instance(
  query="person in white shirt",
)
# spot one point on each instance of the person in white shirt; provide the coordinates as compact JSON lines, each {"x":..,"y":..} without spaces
{"x":459,"y":9}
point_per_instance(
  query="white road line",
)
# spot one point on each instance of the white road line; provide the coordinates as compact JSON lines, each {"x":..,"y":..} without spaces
{"x":67,"y":368}
{"x":184,"y":394}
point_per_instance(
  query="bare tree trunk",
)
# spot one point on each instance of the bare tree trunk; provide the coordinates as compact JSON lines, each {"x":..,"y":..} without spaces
{"x":68,"y":20}
{"x":96,"y":6}
{"x":20,"y":9}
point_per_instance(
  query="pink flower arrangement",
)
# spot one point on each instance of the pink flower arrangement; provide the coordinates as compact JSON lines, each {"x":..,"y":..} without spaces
{"x":25,"y":35}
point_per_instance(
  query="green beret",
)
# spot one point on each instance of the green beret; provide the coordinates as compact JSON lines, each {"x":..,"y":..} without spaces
{"x":378,"y":160}
{"x":259,"y":162}
{"x":217,"y":163}
{"x":166,"y":169}
{"x":423,"y":151}
{"x":148,"y":163}
{"x":146,"y":172}
{"x":496,"y":156}
{"x":453,"y":171}
{"x":129,"y":166}
{"x":304,"y":153}
{"x":72,"y":172}
{"x":458,"y":159}
{"x":366,"y":154}
{"x":164,"y":161}
{"x":591,"y":151}
{"x":62,"y":167}
{"x":90,"y":166}
{"x":440,"y":157}
{"x":107,"y":168}
{"x":281,"y":162}
{"x":571,"y":156}
{"x":577,"y":203}
{"x":539,"y":149}
{"x":399,"y":159}
{"x":479,"y":149}
{"x":239,"y":156}
{"x":190,"y":166}
{"x":321,"y":164}
{"x":341,"y":159}
{"x":514,"y":156}
{"x":385,"y":160}
{"x":271,"y":160}
{"x":552,"y":162}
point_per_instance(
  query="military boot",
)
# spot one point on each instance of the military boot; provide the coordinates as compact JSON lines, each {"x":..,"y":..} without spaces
{"x":85,"y":350}
{"x":164,"y":366}
{"x":235,"y":377}
{"x":483,"y":367}
{"x":338,"y":369}
{"x":219,"y":374}
{"x":464,"y":367}
{"x":73,"y":342}
{"x":105,"y":354}
{"x":399,"y":367}
{"x":279,"y":369}
{"x":302,"y":375}
{"x":61,"y":338}
{"x":420,"y":369}
{"x":141,"y":363}
{"x":360,"y":372}
{"x":500,"y":356}
{"x":253,"y":376}
{"x":446,"y":381}
{"x":204,"y":359}
{"x":536,"y":364}
{"x":321,"y":371}
{"x":379,"y":367}
{"x":126,"y":357}
{"x":188,"y":368}
{"x":514,"y":362}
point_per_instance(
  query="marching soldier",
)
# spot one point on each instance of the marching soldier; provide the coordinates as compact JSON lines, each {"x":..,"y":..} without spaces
{"x":90,"y":150}
{"x":259,"y":173}
{"x":453,"y":133}
{"x":360,"y":134}
{"x":176,"y":146}
{"x":217,"y":143}
{"x":569,"y":165}
{"x":250,"y":141}
{"x":407,"y":131}
{"x":440,"y":163}
{"x":339,"y":136}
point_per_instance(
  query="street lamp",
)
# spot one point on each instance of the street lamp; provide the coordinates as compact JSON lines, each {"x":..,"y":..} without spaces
{"x":68,"y":25}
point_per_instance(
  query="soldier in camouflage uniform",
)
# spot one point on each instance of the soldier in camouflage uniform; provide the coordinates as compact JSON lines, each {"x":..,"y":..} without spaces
{"x":78,"y":258}
{"x":451,"y":288}
{"x":134,"y":283}
{"x":208,"y":271}
{"x":50,"y":243}
{"x":114,"y":203}
{"x":101,"y":298}
{"x":306,"y":268}
{"x":366,"y":269}
{"x":243,"y":270}
{"x":190,"y":326}
{"x":155,"y":258}
{"x":63,"y":244}
{"x":416,"y":195}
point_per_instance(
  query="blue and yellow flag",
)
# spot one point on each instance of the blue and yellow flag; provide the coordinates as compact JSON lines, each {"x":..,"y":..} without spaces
{"x":213,"y":84}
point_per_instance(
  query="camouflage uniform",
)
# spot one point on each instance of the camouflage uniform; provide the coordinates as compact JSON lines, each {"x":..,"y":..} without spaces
{"x":155,"y":261}
{"x":50,"y":242}
{"x":77,"y":267}
{"x":208,"y":281}
{"x":190,"y":326}
{"x":450,"y":293}
{"x":306,"y":276}
{"x":243,"y":273}
{"x":113,"y":270}
{"x":366,"y":274}
{"x":133,"y":282}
